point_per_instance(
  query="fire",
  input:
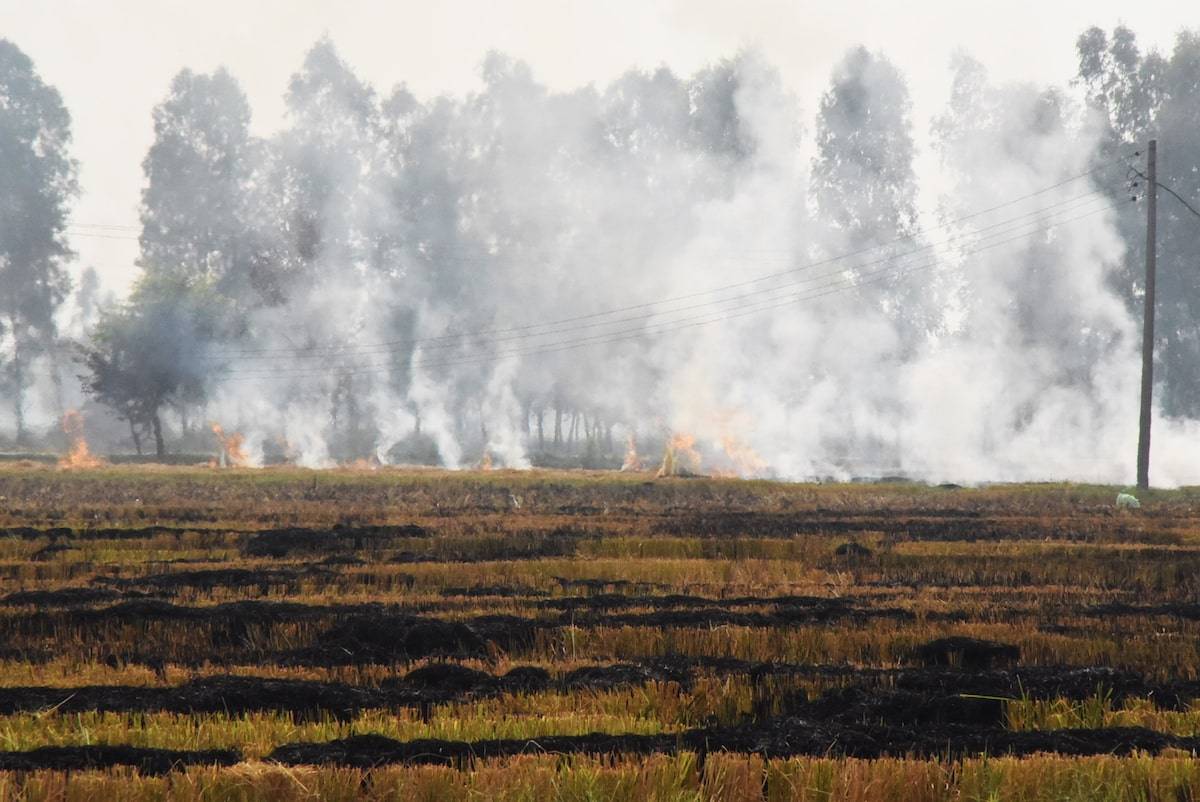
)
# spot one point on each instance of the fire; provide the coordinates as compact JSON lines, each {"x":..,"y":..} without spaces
{"x":745,"y":461}
{"x":680,"y":457}
{"x":725,"y":454}
{"x":233,"y":452}
{"x":632,"y":461}
{"x":80,"y":456}
{"x":361,"y":464}
{"x":485,"y":463}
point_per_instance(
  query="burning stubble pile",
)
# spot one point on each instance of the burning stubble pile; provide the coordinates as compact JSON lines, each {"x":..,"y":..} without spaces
{"x":285,"y":634}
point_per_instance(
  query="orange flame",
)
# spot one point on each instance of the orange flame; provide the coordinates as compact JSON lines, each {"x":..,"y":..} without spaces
{"x":80,"y":456}
{"x":745,"y":461}
{"x":632,"y":461}
{"x":233,"y":452}
{"x":485,"y":463}
{"x":360,"y":464}
{"x":680,"y":457}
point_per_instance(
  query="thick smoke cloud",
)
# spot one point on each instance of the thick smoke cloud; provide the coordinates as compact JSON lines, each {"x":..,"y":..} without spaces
{"x":439,"y":278}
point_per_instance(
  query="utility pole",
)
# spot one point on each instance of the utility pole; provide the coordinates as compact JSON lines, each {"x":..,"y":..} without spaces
{"x":1143,"y":457}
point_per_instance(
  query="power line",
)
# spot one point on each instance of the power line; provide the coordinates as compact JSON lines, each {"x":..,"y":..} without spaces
{"x":107,"y":231}
{"x":614,"y":337}
{"x":451,"y":341}
{"x":814,"y":293}
{"x":438,"y":342}
{"x":113,"y":226}
{"x":1177,"y":197}
{"x":335,"y":349}
{"x":709,"y":291}
{"x":102,"y":235}
{"x":1161,"y":185}
{"x":546,"y":330}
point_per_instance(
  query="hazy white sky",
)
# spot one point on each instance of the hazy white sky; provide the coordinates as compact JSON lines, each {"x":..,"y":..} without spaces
{"x":112,"y":60}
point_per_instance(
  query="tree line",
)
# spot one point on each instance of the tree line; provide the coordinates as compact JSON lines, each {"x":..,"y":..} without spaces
{"x":352,"y":265}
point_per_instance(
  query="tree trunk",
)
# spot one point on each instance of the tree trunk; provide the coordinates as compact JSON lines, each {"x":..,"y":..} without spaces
{"x":18,"y":374}
{"x":557,"y":425}
{"x":137,"y":438}
{"x":56,"y":376}
{"x":541,"y":431}
{"x":160,"y":449}
{"x":19,"y":401}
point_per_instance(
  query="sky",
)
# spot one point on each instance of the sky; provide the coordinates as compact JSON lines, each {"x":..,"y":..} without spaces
{"x":112,"y":60}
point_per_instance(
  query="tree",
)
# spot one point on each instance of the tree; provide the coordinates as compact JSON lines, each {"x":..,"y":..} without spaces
{"x":87,"y":300}
{"x":716,"y":125}
{"x":38,"y":178}
{"x":147,"y":354}
{"x":200,"y":196}
{"x":864,"y":183}
{"x":863,"y":177}
{"x":1141,"y":96}
{"x":321,"y":160}
{"x":1124,"y":84}
{"x":1031,"y":296}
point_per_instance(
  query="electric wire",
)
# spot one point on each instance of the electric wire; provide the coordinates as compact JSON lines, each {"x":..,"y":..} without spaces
{"x":838,"y":285}
{"x":338,"y":349}
{"x":453,"y":341}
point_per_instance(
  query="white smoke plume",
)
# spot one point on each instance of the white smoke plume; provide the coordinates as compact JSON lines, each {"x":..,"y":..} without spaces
{"x":974,"y":359}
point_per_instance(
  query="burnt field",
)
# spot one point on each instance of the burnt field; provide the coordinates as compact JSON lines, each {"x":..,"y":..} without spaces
{"x":191,"y":633}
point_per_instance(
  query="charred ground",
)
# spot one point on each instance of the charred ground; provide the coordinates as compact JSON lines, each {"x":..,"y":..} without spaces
{"x":388,"y":618}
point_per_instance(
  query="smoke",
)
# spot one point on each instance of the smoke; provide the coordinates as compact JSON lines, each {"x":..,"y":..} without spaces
{"x":449,"y":271}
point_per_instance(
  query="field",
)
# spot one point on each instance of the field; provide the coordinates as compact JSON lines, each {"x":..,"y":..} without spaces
{"x":190,"y":633}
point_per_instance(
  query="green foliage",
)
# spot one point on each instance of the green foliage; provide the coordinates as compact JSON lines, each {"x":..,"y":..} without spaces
{"x":38,"y":177}
{"x":1142,"y":96}
{"x":863,"y":177}
{"x":200,"y":201}
{"x":151,"y":351}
